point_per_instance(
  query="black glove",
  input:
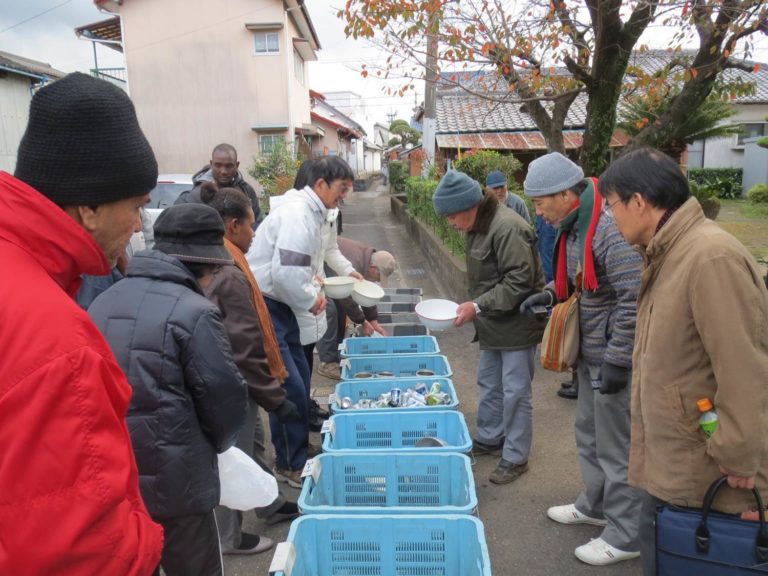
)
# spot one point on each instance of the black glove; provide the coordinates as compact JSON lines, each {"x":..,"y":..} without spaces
{"x":613,"y":378}
{"x":545,"y":298}
{"x":287,"y":411}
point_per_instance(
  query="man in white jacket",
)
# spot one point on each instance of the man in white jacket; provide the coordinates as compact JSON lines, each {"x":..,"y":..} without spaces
{"x":285,"y":255}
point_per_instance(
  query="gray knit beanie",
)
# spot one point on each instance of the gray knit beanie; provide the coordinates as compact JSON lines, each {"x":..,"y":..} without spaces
{"x":456,"y":192}
{"x":83,"y":144}
{"x":550,"y":174}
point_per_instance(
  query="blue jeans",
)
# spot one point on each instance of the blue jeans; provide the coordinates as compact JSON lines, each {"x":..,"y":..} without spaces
{"x":290,"y":439}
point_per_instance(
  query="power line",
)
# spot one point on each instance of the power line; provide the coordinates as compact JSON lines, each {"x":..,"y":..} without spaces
{"x":35,"y":16}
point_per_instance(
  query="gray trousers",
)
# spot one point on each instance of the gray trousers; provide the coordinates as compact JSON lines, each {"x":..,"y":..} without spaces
{"x":505,"y":411}
{"x":252,"y":441}
{"x":602,"y":445}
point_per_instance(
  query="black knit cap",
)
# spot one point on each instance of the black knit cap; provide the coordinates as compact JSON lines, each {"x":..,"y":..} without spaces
{"x":83,"y":144}
{"x":192,"y":233}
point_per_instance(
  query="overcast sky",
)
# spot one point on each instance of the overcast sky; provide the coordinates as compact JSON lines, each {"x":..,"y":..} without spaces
{"x":49,"y":37}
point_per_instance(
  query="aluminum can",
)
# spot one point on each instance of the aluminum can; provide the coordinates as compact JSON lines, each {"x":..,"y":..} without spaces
{"x":394,"y":397}
{"x":422,"y":389}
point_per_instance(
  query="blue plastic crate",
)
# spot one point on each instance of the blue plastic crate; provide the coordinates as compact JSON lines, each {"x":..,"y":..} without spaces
{"x":389,"y":345}
{"x":372,"y":388}
{"x":340,"y":545}
{"x":393,"y":483}
{"x":398,"y":366}
{"x":397,"y":431}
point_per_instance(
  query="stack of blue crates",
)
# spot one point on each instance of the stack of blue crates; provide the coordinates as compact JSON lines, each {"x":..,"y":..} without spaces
{"x":393,"y":492}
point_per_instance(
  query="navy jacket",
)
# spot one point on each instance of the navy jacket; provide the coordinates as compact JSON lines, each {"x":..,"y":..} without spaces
{"x":189,"y":399}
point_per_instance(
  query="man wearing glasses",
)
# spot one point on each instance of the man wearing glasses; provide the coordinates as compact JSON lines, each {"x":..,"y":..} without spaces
{"x":590,"y":253}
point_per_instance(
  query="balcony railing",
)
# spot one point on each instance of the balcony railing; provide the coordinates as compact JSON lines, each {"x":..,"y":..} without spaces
{"x":118,"y":76}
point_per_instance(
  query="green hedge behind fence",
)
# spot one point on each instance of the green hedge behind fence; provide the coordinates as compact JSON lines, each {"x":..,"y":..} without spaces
{"x":397,"y":175}
{"x":419,"y":193}
{"x":726,"y":182}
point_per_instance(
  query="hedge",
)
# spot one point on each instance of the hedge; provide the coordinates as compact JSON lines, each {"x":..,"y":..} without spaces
{"x":758,"y":194}
{"x":397,"y":175}
{"x":726,"y":182}
{"x":420,"y":206}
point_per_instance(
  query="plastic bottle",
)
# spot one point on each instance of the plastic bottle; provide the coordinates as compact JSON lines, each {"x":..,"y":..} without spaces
{"x":708,"y":419}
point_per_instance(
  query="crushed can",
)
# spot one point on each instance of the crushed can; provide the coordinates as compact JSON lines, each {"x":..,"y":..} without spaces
{"x":394,"y":397}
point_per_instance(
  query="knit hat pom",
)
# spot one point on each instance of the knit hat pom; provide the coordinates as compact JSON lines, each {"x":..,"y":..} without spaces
{"x":83,"y":144}
{"x":550,"y":174}
{"x":455,"y":193}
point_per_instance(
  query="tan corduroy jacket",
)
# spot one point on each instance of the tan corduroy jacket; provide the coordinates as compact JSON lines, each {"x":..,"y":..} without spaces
{"x":702,"y":331}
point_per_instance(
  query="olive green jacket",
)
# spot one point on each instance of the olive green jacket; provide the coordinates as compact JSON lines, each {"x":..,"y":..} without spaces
{"x":503,"y":267}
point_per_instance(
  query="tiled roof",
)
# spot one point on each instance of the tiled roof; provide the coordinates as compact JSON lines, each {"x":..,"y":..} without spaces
{"x":29,"y":66}
{"x":461,"y":112}
{"x":529,"y":140}
{"x":470,"y":113}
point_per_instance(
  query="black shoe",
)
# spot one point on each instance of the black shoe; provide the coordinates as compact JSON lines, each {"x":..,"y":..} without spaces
{"x":250,"y":544}
{"x":571,"y":393}
{"x":286,"y":512}
{"x":507,"y":472}
{"x":481,"y":449}
{"x":315,"y":423}
{"x":314,"y":408}
{"x":566,"y":385}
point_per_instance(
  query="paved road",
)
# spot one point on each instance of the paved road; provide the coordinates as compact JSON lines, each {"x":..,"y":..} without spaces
{"x":521,"y":540}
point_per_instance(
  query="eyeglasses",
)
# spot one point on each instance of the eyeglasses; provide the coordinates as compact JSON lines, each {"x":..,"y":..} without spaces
{"x":608,"y":208}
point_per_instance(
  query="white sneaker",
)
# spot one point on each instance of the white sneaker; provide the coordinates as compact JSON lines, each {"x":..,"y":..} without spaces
{"x":598,"y":552}
{"x":568,"y":514}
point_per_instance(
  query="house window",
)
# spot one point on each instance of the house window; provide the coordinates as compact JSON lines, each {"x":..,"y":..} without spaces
{"x":751,"y":130}
{"x":266,"y":43}
{"x":298,"y":67}
{"x":269,"y":142}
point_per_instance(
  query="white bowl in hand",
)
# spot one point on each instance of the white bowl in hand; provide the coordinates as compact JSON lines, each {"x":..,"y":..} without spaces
{"x":437,"y":314}
{"x":339,"y":287}
{"x":367,"y":293}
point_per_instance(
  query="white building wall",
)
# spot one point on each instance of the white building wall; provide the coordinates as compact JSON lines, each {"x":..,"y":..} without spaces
{"x":724,"y":152}
{"x":15,"y":97}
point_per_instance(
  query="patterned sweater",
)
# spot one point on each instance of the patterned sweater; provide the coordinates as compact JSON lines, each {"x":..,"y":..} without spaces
{"x":607,"y":316}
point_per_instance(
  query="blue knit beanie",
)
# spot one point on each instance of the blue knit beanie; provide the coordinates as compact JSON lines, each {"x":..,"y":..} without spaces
{"x":495,"y":179}
{"x":456,"y":192}
{"x":550,"y":174}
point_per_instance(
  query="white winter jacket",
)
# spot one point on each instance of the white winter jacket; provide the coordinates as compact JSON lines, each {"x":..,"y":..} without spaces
{"x":313,"y":327}
{"x":286,"y":252}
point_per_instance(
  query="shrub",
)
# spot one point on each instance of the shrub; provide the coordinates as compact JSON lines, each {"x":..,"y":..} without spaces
{"x":478,"y":164}
{"x":420,"y":206}
{"x":725,"y":181}
{"x":758,"y":194}
{"x":276,"y":171}
{"x":397,"y":175}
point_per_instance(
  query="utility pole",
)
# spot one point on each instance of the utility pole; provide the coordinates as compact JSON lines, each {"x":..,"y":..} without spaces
{"x":430,"y":95}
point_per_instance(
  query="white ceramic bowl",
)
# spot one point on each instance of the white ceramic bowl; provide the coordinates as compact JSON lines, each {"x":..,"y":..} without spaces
{"x":437,"y":314}
{"x":367,"y":293}
{"x":339,"y":287}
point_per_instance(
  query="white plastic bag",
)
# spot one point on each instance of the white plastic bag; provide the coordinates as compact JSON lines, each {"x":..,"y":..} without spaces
{"x":244,"y":485}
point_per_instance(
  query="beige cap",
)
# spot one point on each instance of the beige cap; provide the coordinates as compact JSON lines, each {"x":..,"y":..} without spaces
{"x":386,"y":264}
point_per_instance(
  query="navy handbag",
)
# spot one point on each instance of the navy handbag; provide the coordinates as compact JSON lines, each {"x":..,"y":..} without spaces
{"x":707,"y":543}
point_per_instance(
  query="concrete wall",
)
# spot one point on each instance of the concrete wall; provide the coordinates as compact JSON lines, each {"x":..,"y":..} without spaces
{"x":196,"y":79}
{"x":755,"y":165}
{"x":724,"y":152}
{"x":15,"y":97}
{"x":450,"y":272}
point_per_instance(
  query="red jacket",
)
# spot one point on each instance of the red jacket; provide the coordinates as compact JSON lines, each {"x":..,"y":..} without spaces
{"x":69,"y":492}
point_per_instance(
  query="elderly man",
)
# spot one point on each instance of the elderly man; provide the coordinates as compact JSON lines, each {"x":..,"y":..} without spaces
{"x":285,"y":257}
{"x":68,"y":479}
{"x":701,"y":333}
{"x":591,"y":256}
{"x":496,"y":181}
{"x":503,"y":267}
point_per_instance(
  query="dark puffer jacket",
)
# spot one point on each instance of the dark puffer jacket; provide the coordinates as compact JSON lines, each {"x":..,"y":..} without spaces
{"x":189,"y":399}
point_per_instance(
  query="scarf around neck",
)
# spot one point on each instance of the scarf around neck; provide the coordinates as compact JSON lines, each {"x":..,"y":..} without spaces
{"x":271,"y":347}
{"x":584,"y":217}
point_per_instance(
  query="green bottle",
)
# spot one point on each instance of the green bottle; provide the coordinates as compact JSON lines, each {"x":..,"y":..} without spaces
{"x":708,"y":419}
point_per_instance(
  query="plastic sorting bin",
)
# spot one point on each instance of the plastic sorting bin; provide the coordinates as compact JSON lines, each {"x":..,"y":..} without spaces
{"x":389,"y":345}
{"x":395,"y":307}
{"x":395,"y":366}
{"x":372,"y":388}
{"x":402,"y":298}
{"x":416,"y":291}
{"x":399,"y":318}
{"x":406,"y":329}
{"x":392,"y":483}
{"x":335,"y":545}
{"x":384,"y":432}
